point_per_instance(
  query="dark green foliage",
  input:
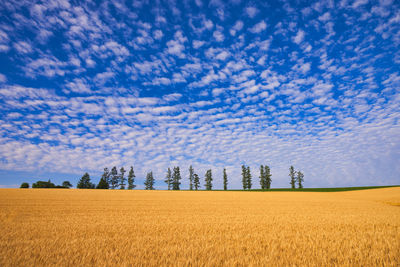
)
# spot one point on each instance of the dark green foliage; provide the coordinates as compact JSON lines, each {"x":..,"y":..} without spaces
{"x":149,"y":183}
{"x":66,"y":184}
{"x":292,"y":175}
{"x":248,"y":178}
{"x":24,"y":185}
{"x":84,"y":182}
{"x":191,"y":172}
{"x":225,"y":180}
{"x":208,"y":180}
{"x":196,"y":181}
{"x":176,"y":179}
{"x":265,"y":177}
{"x":122,"y":178}
{"x":168,"y":179}
{"x":131,"y":179}
{"x":43,"y":184}
{"x":106,"y":175}
{"x":300,"y":179}
{"x":244,"y":177}
{"x":263,"y":183}
{"x":102,"y":183}
{"x":114,"y":178}
{"x":104,"y":180}
{"x":268,"y":175}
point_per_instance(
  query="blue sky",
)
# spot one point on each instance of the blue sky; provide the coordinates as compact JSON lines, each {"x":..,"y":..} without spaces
{"x":210,"y":83}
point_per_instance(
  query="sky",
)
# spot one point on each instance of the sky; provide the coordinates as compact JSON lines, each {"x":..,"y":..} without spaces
{"x":215,"y":84}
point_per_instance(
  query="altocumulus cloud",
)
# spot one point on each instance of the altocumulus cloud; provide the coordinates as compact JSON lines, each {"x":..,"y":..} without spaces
{"x":210,"y":84}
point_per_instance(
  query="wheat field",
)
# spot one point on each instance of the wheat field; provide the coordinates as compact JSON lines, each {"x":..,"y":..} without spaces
{"x":67,"y":227}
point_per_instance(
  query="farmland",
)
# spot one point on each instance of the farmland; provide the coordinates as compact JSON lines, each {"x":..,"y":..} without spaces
{"x":120,"y":227}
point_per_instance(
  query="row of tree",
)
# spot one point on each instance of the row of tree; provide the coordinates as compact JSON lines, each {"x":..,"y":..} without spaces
{"x":296,"y":177}
{"x":47,"y":184}
{"x":114,"y":179}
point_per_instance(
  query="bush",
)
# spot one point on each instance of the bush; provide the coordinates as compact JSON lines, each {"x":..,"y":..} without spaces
{"x":24,"y":185}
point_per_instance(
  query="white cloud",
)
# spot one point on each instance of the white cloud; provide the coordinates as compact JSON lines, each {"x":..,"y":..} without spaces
{"x":259,"y":27}
{"x":223,"y":55}
{"x":3,"y":78}
{"x":197,"y":44}
{"x":23,"y":47}
{"x":237,"y":27}
{"x":158,"y":34}
{"x":358,"y":3}
{"x":251,"y":11}
{"x":299,"y":37}
{"x":218,"y":36}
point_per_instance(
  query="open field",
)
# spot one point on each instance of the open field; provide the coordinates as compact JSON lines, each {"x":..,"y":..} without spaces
{"x":98,"y":227}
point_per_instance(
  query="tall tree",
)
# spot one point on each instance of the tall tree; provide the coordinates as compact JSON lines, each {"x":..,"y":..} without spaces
{"x":114,"y":178}
{"x":191,"y":172}
{"x":196,"y":181}
{"x":292,"y":175}
{"x":168,"y":179}
{"x":131,"y":179}
{"x":84,"y":182}
{"x":263,"y":182}
{"x":244,"y":177}
{"x":268,"y":175}
{"x":149,"y":183}
{"x":300,"y":179}
{"x":225,"y":180}
{"x":107,"y":175}
{"x":102,"y":183}
{"x":248,"y":178}
{"x":122,"y":178}
{"x":176,"y":179}
{"x":208,"y":180}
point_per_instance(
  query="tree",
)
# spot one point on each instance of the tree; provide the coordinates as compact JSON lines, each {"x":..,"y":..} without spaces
{"x":66,"y":184}
{"x":114,"y":178}
{"x":102,"y":183}
{"x":244,"y":177}
{"x":122,"y":178}
{"x":149,"y":183}
{"x":225,"y":180}
{"x":104,"y":180}
{"x":168,"y":179}
{"x":196,"y":181}
{"x":248,"y":177}
{"x":106,"y":175}
{"x":208,"y":180}
{"x":131,"y":179}
{"x":263,"y":182}
{"x":84,"y":182}
{"x":43,"y":184}
{"x":24,"y":185}
{"x":292,"y":175}
{"x":265,"y":177}
{"x":191,"y":172}
{"x":268,"y":175}
{"x":176,"y":179}
{"x":300,"y":179}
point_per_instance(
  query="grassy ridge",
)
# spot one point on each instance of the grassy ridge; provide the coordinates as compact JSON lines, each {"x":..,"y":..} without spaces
{"x":328,"y":189}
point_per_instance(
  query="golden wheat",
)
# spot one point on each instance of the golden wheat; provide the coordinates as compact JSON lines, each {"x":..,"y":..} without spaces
{"x":111,"y":227}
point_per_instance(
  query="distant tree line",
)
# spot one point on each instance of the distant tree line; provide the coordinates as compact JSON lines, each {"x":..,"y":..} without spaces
{"x":48,"y":184}
{"x":112,"y":179}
